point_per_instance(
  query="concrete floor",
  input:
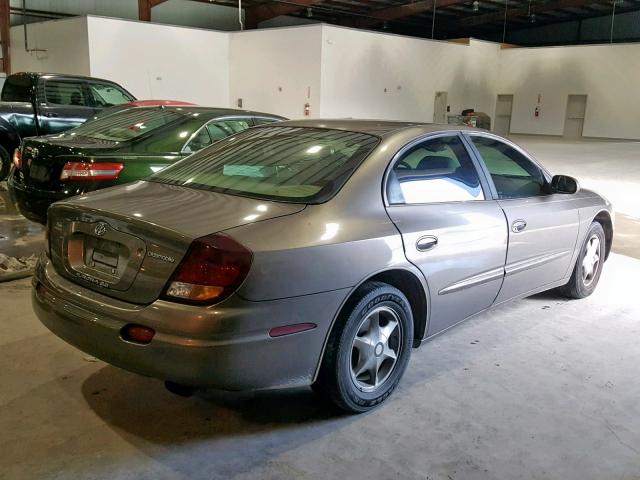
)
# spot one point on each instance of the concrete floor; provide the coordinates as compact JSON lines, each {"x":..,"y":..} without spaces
{"x":18,"y":236}
{"x":541,"y":388}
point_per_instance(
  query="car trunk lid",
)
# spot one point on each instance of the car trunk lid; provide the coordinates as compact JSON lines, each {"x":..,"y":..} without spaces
{"x":127,"y":241}
{"x":43,"y":158}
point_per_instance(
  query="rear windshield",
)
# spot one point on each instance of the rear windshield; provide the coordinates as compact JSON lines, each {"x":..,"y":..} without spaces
{"x":17,"y":88}
{"x":305,"y":165}
{"x":127,"y":124}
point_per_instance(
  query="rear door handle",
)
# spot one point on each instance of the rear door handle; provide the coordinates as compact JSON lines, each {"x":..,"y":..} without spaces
{"x":518,"y":226}
{"x":50,"y":114}
{"x":426,"y":243}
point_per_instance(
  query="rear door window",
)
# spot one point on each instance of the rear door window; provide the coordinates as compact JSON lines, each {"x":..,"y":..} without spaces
{"x":436,"y":170}
{"x":17,"y":88}
{"x":67,"y":93}
{"x":200,"y":140}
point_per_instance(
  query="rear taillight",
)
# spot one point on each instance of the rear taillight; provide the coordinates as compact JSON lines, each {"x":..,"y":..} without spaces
{"x":213,"y":268}
{"x":17,"y":158}
{"x":73,"y":171}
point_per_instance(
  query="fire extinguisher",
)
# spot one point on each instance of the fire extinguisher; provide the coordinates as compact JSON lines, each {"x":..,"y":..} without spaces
{"x":307,"y":109}
{"x":537,"y":112}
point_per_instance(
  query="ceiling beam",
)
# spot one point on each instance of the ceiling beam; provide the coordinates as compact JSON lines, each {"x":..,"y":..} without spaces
{"x":498,"y":16}
{"x":144,"y":9}
{"x":4,"y":36}
{"x":265,"y":11}
{"x":402,"y":11}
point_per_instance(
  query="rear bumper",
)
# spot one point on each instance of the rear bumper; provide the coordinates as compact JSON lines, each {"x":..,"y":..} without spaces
{"x":226,"y":346}
{"x":33,"y":203}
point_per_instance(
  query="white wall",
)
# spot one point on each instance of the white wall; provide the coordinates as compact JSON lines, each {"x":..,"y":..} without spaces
{"x":343,"y":72}
{"x":161,"y":61}
{"x":277,"y":70}
{"x":608,"y":74}
{"x":372,"y":75}
{"x":65,"y":43}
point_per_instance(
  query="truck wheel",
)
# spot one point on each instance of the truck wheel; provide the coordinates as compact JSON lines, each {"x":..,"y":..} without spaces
{"x":5,"y":163}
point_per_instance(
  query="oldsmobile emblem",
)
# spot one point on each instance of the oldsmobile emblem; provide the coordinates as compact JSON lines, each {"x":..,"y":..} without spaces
{"x":100,"y":229}
{"x":159,"y":256}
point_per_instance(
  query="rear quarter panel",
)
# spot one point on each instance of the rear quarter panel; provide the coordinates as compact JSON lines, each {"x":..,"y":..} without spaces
{"x":317,"y":250}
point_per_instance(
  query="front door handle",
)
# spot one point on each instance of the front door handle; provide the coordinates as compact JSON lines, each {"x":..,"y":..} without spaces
{"x":426,"y":243}
{"x":51,"y":115}
{"x":518,"y":226}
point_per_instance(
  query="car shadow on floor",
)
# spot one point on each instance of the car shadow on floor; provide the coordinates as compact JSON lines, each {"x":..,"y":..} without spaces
{"x":233,"y":431}
{"x":219,"y":434}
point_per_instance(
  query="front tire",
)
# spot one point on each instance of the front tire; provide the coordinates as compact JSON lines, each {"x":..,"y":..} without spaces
{"x":588,"y":268}
{"x":368,"y":349}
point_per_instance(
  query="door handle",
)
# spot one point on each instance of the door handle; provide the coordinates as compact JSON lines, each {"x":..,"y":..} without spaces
{"x":426,"y":243}
{"x":51,"y":115}
{"x":518,"y":226}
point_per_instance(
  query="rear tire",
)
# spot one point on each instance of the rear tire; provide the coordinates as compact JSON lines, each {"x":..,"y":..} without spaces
{"x":588,"y":267}
{"x":368,"y":349}
{"x":5,"y":163}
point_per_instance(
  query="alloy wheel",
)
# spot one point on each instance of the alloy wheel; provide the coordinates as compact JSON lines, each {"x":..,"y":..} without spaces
{"x":591,"y":260}
{"x":375,"y":348}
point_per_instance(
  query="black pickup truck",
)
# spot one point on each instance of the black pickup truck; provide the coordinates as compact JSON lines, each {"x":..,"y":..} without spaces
{"x":41,"y":103}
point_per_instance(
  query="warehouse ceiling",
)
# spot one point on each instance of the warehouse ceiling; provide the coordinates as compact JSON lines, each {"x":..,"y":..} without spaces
{"x":453,"y":18}
{"x":496,"y":20}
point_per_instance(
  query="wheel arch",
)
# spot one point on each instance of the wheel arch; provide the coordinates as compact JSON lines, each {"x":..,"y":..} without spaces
{"x":603,"y":217}
{"x":410,"y":283}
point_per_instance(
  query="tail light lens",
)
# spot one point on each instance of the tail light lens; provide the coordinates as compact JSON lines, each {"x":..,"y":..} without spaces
{"x":213,"y":268}
{"x":17,"y":158}
{"x":73,"y":171}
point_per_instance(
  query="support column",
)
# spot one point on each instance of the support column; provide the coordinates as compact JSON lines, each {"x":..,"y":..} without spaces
{"x":5,"y":36}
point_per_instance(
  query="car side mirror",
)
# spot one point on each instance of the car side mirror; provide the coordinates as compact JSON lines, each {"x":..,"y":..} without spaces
{"x":564,"y":184}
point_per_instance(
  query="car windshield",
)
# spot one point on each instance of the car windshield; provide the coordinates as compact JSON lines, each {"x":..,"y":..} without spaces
{"x":127,"y":124}
{"x":305,"y":165}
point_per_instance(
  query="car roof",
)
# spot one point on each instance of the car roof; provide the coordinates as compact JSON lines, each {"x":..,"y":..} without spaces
{"x":35,"y":75}
{"x":373,"y":127}
{"x":209,"y":111}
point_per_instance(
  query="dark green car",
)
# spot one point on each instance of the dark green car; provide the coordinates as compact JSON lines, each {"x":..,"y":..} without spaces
{"x":119,"y":148}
